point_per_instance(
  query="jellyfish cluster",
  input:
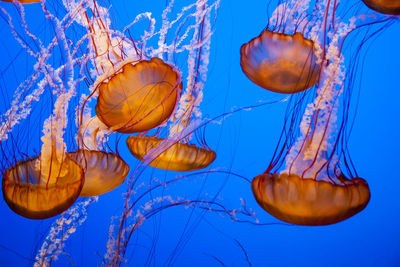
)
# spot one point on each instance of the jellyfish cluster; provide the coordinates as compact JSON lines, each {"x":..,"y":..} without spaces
{"x":310,"y":179}
{"x":134,"y":92}
{"x":106,"y":83}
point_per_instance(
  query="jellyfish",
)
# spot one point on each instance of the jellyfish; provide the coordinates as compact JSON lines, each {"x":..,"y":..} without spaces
{"x":43,"y":186}
{"x":104,"y":171}
{"x":384,"y":6}
{"x":36,"y":195}
{"x":281,"y":59}
{"x":312,"y":181}
{"x":307,"y":201}
{"x":134,"y":93}
{"x":178,"y":157}
{"x":139,"y":97}
{"x":280,"y":62}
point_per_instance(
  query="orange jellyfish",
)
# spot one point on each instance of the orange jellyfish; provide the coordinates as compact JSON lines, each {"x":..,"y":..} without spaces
{"x":280,"y":62}
{"x":175,"y":152}
{"x":311,"y":189}
{"x":389,"y":7}
{"x":103,"y":171}
{"x":308,"y":201}
{"x":37,"y":194}
{"x":178,"y":157}
{"x":310,"y":179}
{"x":48,"y":184}
{"x":45,"y":185}
{"x":139,"y":97}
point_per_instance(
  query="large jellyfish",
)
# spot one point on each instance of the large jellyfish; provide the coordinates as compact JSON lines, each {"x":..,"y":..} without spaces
{"x":46,"y":184}
{"x":139,"y":96}
{"x":32,"y":194}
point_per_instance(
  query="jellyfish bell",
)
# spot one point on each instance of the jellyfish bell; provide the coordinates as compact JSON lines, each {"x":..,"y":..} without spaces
{"x":29,"y":193}
{"x":279,"y":62}
{"x":311,"y":190}
{"x":389,"y":7}
{"x":104,"y":171}
{"x":306,"y":201}
{"x":139,"y":97}
{"x":178,"y":157}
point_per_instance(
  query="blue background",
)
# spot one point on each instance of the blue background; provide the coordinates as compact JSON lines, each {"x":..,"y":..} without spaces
{"x":244,"y":143}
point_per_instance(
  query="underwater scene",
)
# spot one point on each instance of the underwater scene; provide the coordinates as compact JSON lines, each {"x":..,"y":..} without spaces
{"x":199,"y":133}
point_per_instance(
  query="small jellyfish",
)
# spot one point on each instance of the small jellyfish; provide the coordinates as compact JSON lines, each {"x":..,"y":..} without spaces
{"x":37,"y":194}
{"x":178,"y":157}
{"x":389,"y":7}
{"x":279,"y":62}
{"x":139,"y":97}
{"x":103,"y":171}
